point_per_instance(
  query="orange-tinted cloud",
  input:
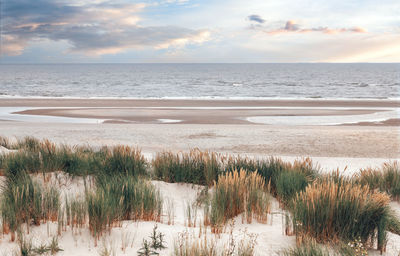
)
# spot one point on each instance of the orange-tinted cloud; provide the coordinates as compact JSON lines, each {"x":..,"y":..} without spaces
{"x":90,"y":28}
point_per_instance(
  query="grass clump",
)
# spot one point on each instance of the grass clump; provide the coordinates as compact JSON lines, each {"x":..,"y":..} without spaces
{"x":285,"y":179}
{"x":307,"y":249}
{"x":26,"y":201}
{"x":122,"y":198}
{"x":76,"y":212}
{"x":236,"y":193}
{"x":29,"y":144}
{"x":123,"y":160}
{"x":386,"y":179}
{"x":195,"y":167}
{"x":328,"y":211}
{"x":63,"y":158}
{"x":191,"y":244}
{"x":19,"y":162}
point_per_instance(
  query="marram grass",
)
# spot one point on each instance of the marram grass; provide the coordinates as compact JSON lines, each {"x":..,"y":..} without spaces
{"x":26,"y":201}
{"x":239,"y":192}
{"x":124,"y":160}
{"x":122,"y":198}
{"x":328,"y":211}
{"x":386,"y":179}
{"x":194,"y":167}
{"x":285,"y":179}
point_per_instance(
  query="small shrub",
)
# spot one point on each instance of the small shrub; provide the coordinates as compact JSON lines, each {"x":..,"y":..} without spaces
{"x":155,"y":245}
{"x":146,"y":250}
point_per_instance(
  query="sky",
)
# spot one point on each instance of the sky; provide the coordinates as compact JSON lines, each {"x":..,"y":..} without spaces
{"x":199,"y":31}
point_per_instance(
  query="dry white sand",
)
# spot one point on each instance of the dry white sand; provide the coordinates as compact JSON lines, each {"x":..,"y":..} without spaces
{"x":270,"y":236}
{"x":127,"y":240}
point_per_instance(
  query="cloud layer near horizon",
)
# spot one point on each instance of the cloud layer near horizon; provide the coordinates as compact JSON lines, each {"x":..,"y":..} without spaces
{"x":199,"y":31}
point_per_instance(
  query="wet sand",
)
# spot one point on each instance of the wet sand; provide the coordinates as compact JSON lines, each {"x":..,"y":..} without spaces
{"x":134,"y":122}
{"x":199,"y":111}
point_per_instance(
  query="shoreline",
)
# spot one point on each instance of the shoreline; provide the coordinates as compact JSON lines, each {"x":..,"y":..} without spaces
{"x":141,"y":102}
{"x":167,"y":111}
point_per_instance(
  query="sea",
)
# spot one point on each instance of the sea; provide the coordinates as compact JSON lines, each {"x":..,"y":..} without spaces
{"x":202,"y":81}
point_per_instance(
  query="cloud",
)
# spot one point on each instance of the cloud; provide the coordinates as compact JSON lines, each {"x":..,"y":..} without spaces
{"x":256,"y":18}
{"x":90,"y":28}
{"x":293,"y":27}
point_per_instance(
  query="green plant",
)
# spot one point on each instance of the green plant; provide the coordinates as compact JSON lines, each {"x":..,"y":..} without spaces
{"x":25,"y":247}
{"x":157,"y":239}
{"x":124,"y":160}
{"x":28,"y":143}
{"x":20,"y":162}
{"x":23,"y":201}
{"x":194,"y":167}
{"x":122,"y":198}
{"x":236,"y":193}
{"x":54,"y":248}
{"x":355,"y":248}
{"x":146,"y":249}
{"x":307,"y":249}
{"x":41,"y":249}
{"x":191,"y":244}
{"x":289,"y":183}
{"x":386,"y":179}
{"x":76,"y":212}
{"x":276,"y":172}
{"x":188,"y":245}
{"x":106,"y":251}
{"x":330,"y":211}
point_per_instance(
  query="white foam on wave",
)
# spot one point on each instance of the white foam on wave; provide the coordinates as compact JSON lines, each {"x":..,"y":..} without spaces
{"x":325,"y":120}
{"x":205,"y":98}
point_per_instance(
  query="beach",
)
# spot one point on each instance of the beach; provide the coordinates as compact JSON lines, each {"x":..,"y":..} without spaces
{"x":344,"y":135}
{"x":199,"y":128}
{"x":217,"y":125}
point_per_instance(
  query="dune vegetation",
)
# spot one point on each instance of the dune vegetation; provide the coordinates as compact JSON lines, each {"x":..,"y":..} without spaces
{"x":328,"y":209}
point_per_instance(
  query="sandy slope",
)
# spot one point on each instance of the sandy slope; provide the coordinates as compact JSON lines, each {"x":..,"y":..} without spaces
{"x":79,"y":242}
{"x":127,"y":239}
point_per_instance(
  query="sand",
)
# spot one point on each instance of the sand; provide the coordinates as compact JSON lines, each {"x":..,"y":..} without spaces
{"x":214,"y":111}
{"x":78,"y":242}
{"x":217,"y":125}
{"x":127,"y":239}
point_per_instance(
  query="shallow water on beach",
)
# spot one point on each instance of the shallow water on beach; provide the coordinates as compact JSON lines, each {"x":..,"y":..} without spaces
{"x":376,"y":81}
